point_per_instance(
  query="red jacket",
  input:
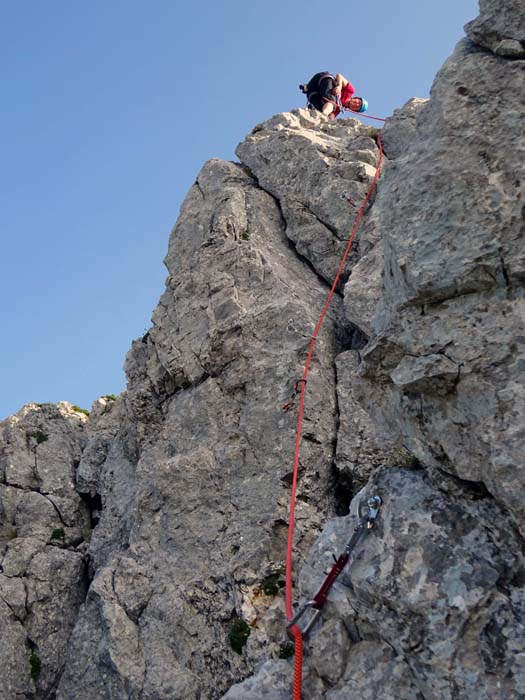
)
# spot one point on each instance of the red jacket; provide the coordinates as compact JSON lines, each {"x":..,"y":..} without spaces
{"x":346,"y":93}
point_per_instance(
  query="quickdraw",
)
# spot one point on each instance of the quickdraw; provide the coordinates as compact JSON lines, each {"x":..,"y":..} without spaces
{"x":347,"y":198}
{"x":368,"y":514}
{"x":296,"y":391}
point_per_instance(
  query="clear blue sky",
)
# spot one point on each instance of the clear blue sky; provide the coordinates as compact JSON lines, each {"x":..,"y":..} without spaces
{"x":110,"y":108}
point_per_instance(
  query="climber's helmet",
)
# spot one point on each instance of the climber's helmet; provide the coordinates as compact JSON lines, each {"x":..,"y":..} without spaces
{"x":356,"y":104}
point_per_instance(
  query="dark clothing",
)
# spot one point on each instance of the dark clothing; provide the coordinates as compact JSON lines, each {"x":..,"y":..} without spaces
{"x":319,"y":90}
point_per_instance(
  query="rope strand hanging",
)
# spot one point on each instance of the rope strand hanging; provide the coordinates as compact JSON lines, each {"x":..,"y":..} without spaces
{"x":294,"y":629}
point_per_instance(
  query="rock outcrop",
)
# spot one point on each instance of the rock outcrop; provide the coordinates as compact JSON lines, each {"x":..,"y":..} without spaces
{"x":44,"y":528}
{"x":142,"y":549}
{"x":193,"y":465}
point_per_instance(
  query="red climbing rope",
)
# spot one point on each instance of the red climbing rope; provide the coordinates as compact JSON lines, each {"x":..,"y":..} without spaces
{"x":366,"y":116}
{"x":298,"y":637}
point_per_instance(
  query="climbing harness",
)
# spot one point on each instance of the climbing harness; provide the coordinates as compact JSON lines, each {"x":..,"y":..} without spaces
{"x":292,"y":626}
{"x":369,"y":512}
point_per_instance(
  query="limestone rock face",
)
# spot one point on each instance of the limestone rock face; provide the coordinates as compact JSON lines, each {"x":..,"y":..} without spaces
{"x":441,"y":591}
{"x":142,"y":551}
{"x":444,"y":365}
{"x":319,"y":192}
{"x":437,"y":588}
{"x":500,"y":27}
{"x":195,"y":483}
{"x":44,"y":526}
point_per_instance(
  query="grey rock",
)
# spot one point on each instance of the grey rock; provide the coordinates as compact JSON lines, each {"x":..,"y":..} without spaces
{"x":510,"y":48}
{"x":271,"y":682}
{"x":188,"y":472}
{"x":338,"y":162}
{"x":364,"y":289}
{"x":43,"y":523}
{"x":445,"y":354}
{"x":330,"y":648}
{"x":499,"y":21}
{"x":399,"y":132}
{"x":104,"y":422}
{"x":195,"y":482}
{"x":440,"y":580}
{"x":361,"y":447}
{"x":375,"y":671}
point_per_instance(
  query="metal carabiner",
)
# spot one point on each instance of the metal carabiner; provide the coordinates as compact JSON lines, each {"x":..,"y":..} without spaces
{"x":368,"y":510}
{"x":302,"y":610}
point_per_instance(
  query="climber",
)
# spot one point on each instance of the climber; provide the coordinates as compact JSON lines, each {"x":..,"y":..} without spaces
{"x":328,"y":94}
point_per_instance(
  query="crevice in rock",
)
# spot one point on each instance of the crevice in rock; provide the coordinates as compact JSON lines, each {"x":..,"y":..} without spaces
{"x":307,"y":262}
{"x":94,"y":504}
{"x":332,"y":230}
{"x":198,"y":186}
{"x":342,"y":484}
{"x":454,"y":485}
{"x":17,"y":618}
{"x":358,"y":338}
{"x":505,"y":272}
{"x":343,"y":491}
{"x":57,"y":509}
{"x":88,"y":574}
{"x":293,"y":246}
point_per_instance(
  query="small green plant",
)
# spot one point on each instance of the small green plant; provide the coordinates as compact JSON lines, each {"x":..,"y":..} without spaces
{"x":58,"y":534}
{"x":238,"y":635}
{"x":245,"y":236}
{"x":286,"y":650}
{"x":7,"y":531}
{"x":110,"y":397}
{"x":36,"y":665}
{"x":273,"y":582}
{"x":81,"y":410}
{"x":38,"y":436}
{"x":403,"y":458}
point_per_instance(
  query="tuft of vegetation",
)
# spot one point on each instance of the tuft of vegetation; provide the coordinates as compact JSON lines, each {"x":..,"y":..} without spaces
{"x":36,"y":665}
{"x":110,"y":397}
{"x":404,"y":459}
{"x":78,"y":409}
{"x":273,"y":582}
{"x":286,"y":650}
{"x":58,"y":534}
{"x":38,"y":436}
{"x":245,"y":236}
{"x":8,"y":531}
{"x":238,"y":635}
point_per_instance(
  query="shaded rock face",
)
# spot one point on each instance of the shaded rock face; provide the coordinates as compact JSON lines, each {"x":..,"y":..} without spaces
{"x":447,"y":344}
{"x":184,"y":480}
{"x":44,"y":527}
{"x":500,"y":27}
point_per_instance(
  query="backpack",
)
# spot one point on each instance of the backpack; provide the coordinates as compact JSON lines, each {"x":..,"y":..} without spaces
{"x":313,"y":86}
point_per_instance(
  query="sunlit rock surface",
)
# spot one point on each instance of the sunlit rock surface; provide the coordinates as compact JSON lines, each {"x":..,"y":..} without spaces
{"x":142,"y":549}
